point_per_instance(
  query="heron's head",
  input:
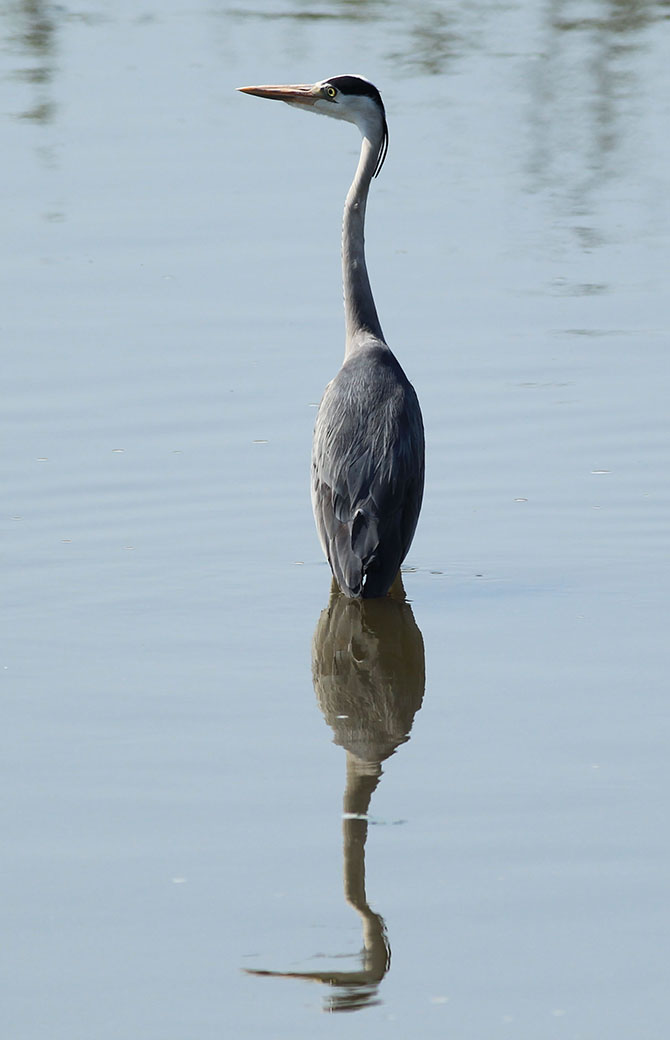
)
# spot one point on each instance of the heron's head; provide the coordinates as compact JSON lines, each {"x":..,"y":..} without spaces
{"x":352,"y":98}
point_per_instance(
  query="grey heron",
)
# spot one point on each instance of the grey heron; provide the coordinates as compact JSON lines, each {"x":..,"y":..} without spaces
{"x":368,"y":450}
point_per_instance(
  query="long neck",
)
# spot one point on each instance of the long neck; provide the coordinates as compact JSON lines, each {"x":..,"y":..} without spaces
{"x":359,"y":305}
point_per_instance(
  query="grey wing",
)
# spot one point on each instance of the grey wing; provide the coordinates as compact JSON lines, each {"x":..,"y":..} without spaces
{"x":367,"y":485}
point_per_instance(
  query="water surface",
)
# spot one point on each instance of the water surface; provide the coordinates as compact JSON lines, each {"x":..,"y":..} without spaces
{"x":185,"y":713}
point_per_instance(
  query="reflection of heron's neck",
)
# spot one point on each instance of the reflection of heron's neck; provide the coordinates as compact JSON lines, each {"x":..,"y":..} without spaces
{"x":357,"y":987}
{"x":359,"y":305}
{"x":362,"y":779}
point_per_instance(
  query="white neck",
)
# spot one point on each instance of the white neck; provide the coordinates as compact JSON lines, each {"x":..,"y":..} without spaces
{"x":359,"y":305}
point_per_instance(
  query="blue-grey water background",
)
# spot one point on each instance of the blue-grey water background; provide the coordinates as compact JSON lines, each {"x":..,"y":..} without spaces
{"x":171,"y":310}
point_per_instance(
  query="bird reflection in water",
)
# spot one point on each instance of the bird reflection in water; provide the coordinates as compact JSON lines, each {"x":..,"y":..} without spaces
{"x":368,"y":670}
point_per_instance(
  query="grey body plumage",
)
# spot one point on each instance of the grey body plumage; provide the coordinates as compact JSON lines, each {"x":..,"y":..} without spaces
{"x":367,"y":470}
{"x":368,"y":450}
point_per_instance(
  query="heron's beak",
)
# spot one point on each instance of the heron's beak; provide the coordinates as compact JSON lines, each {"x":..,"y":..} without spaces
{"x":294,"y":93}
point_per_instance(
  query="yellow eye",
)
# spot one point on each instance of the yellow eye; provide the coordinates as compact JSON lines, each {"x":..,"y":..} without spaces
{"x":331,"y":92}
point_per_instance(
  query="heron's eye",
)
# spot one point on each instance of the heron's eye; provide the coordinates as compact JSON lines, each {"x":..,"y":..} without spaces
{"x":330,"y":92}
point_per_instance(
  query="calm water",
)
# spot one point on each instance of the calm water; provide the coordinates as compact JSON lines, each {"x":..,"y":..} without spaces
{"x":185,"y":718}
